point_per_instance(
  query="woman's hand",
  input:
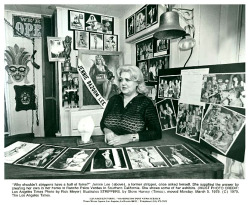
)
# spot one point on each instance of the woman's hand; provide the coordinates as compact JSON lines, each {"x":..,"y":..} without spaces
{"x":120,"y":139}
{"x":109,"y":135}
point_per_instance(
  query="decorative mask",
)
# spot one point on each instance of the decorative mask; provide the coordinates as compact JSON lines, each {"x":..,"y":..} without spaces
{"x":17,"y":60}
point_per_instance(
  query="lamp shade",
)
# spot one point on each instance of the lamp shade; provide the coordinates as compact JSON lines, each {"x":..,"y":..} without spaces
{"x":186,"y":43}
{"x":169,"y":26}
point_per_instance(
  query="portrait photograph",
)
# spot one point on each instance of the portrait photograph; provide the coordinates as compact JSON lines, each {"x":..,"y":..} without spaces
{"x":166,"y":114}
{"x":130,"y":26}
{"x":156,"y":64}
{"x":144,"y":49}
{"x":107,"y":25}
{"x":152,"y":14}
{"x":16,"y":150}
{"x":224,"y":89}
{"x":55,"y":49}
{"x":140,"y":20}
{"x":189,"y":119}
{"x":109,"y":159}
{"x":73,"y":159}
{"x":178,"y":155}
{"x":161,"y":47}
{"x":110,"y":42}
{"x":96,"y":41}
{"x":41,"y":157}
{"x":143,"y":65}
{"x":169,"y":86}
{"x":221,"y":127}
{"x":145,"y":157}
{"x":76,"y":20}
{"x":93,"y":23}
{"x":152,"y":90}
{"x":81,"y":40}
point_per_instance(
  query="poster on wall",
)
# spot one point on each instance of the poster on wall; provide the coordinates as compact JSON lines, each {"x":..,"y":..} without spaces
{"x":144,"y":49}
{"x":76,"y":20}
{"x":130,"y":26}
{"x":110,"y":42}
{"x":81,"y":40}
{"x":27,"y":26}
{"x":152,"y":14}
{"x":93,"y":23}
{"x":107,"y":24}
{"x":140,"y":20}
{"x":96,"y":41}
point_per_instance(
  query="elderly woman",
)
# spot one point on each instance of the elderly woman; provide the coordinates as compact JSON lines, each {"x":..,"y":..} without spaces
{"x":130,"y":116}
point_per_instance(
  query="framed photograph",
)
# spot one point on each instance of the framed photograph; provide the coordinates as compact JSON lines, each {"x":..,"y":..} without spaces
{"x":107,"y":159}
{"x":221,"y":127}
{"x":55,"y":49}
{"x":130,"y":26}
{"x":189,"y":121}
{"x":17,"y":150}
{"x":178,"y":155}
{"x":166,"y":114}
{"x":93,"y":23}
{"x":169,"y":86}
{"x":96,"y":41}
{"x":76,"y":20}
{"x":161,"y":47}
{"x":143,"y":65}
{"x":110,"y":42}
{"x":41,"y":157}
{"x":152,"y":14}
{"x":144,"y":49}
{"x":224,"y":89}
{"x":140,"y":20}
{"x":145,"y":157}
{"x":81,"y":40}
{"x":152,"y":92}
{"x":156,"y":64}
{"x":73,"y":159}
{"x":107,"y":24}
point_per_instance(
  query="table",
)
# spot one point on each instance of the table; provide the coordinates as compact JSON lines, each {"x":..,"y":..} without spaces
{"x":213,"y":169}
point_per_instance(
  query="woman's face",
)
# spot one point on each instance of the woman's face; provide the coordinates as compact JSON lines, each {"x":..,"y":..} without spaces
{"x":127,"y":86}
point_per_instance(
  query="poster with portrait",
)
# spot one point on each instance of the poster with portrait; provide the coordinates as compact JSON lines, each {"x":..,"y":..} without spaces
{"x":145,"y":158}
{"x":169,"y":86}
{"x":107,"y":24}
{"x":130,"y":26}
{"x":221,"y":127}
{"x":107,"y":159}
{"x":96,"y":41}
{"x":152,"y":14}
{"x":110,"y":42}
{"x":224,"y":89}
{"x":81,"y":40}
{"x":143,"y":65}
{"x":178,"y":155}
{"x":17,"y":150}
{"x":144,"y":49}
{"x":140,"y":20}
{"x":55,"y":49}
{"x":41,"y":157}
{"x":189,"y":121}
{"x":93,"y":23}
{"x":73,"y":159}
{"x":76,"y":20}
{"x":166,"y":114}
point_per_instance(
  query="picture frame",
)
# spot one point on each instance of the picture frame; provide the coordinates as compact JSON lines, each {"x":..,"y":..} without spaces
{"x":130,"y":26}
{"x":81,"y":40}
{"x":107,"y":25}
{"x":55,"y":49}
{"x":140,"y":20}
{"x":76,"y":20}
{"x":144,"y":49}
{"x":161,"y":47}
{"x":96,"y":41}
{"x":143,"y":65}
{"x":93,"y":23}
{"x":152,"y":14}
{"x":110,"y":42}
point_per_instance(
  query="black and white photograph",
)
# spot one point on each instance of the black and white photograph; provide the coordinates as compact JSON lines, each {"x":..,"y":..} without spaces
{"x":143,"y":65}
{"x":221,"y":127}
{"x":107,"y":24}
{"x":140,"y":20}
{"x":93,"y":23}
{"x":169,"y":86}
{"x":73,"y":159}
{"x":152,"y":90}
{"x":16,"y":150}
{"x":152,"y":14}
{"x":96,"y":41}
{"x":144,"y":49}
{"x":189,"y":119}
{"x":178,"y":155}
{"x":145,"y":158}
{"x":81,"y":40}
{"x":224,"y":89}
{"x":130,"y":26}
{"x":41,"y":156}
{"x":107,"y":159}
{"x":166,"y":114}
{"x":161,"y":47}
{"x":55,"y":49}
{"x":110,"y":42}
{"x":156,"y":64}
{"x":76,"y":20}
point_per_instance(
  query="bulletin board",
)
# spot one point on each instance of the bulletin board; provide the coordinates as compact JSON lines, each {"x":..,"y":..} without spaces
{"x":223,"y":74}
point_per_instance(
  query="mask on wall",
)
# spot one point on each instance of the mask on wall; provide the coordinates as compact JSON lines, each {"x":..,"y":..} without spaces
{"x":17,"y":60}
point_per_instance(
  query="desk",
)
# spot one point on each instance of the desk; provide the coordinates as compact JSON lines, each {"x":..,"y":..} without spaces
{"x":213,"y":169}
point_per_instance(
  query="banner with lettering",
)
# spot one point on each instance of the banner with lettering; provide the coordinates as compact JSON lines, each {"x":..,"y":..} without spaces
{"x":27,"y":26}
{"x":90,"y":84}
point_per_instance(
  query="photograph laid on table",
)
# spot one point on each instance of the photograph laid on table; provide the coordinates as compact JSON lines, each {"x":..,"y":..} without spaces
{"x":96,"y":41}
{"x":169,"y":86}
{"x":107,"y":24}
{"x":109,"y":159}
{"x":221,"y":127}
{"x":152,"y":14}
{"x":166,"y":114}
{"x":145,"y":157}
{"x":93,"y":23}
{"x":73,"y":159}
{"x":140,"y":20}
{"x":156,"y":64}
{"x":41,"y":156}
{"x":144,"y":49}
{"x":55,"y":49}
{"x":76,"y":20}
{"x":143,"y":65}
{"x":189,"y":121}
{"x":130,"y":26}
{"x":224,"y":89}
{"x":81,"y":39}
{"x":179,"y":155}
{"x":110,"y":42}
{"x":16,"y":150}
